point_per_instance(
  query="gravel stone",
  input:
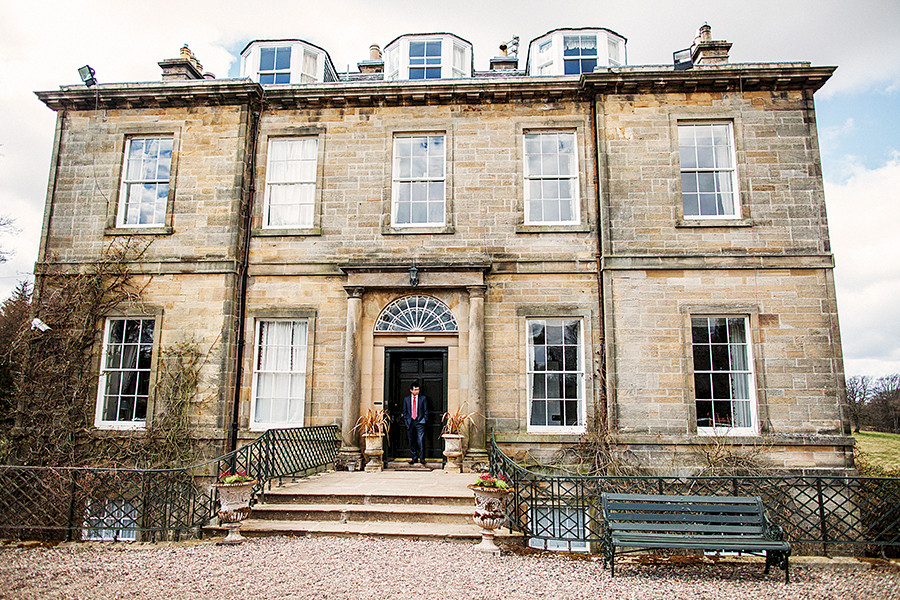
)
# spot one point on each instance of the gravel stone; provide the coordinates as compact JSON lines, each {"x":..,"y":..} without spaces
{"x":332,"y":568}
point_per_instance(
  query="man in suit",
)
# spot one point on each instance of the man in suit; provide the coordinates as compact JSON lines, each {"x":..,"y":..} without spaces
{"x":415,"y":414}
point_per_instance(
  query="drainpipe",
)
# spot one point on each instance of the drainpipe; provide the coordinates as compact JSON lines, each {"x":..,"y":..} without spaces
{"x":250,"y":171}
{"x":595,"y":132}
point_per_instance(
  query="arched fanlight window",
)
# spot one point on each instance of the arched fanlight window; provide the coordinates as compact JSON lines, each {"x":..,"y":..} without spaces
{"x":416,"y":314}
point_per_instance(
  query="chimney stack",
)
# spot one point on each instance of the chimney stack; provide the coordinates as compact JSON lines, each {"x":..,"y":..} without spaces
{"x":375,"y":64}
{"x":186,"y":66}
{"x":504,"y":62}
{"x":706,"y":51}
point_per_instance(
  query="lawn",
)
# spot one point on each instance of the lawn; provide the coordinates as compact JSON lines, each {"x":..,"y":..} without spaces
{"x":881,"y":449}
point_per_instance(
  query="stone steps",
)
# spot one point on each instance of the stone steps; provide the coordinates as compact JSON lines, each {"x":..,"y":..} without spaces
{"x":395,"y":503}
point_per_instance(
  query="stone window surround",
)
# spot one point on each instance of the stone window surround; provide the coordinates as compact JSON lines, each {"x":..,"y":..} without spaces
{"x":580,"y":127}
{"x":144,"y":312}
{"x":444,"y":128}
{"x":308,"y":314}
{"x":704,"y":115}
{"x":125,"y":133}
{"x":524,"y":314}
{"x":287,"y":131}
{"x":757,"y":377}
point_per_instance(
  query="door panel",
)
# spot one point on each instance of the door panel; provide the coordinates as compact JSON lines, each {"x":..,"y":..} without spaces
{"x":429,"y":369}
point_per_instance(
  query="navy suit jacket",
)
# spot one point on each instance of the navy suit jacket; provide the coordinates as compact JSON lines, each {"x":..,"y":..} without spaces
{"x":421,"y":409}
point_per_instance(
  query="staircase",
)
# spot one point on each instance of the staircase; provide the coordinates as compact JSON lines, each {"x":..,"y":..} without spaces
{"x":410,"y":504}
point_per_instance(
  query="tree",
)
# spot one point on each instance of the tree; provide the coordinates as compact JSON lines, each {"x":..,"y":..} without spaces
{"x":14,"y":315}
{"x":859,"y":387}
{"x":6,"y":226}
{"x":884,"y":412}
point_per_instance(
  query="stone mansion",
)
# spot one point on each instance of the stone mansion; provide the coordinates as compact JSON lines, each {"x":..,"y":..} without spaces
{"x":559,"y":243}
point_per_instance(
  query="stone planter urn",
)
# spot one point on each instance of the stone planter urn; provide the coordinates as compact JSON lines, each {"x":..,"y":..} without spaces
{"x":453,"y":452}
{"x":234,"y":506}
{"x":489,"y":515}
{"x":374,"y":450}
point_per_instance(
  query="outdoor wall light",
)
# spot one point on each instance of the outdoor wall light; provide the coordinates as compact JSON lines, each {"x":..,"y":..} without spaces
{"x":87,"y":75}
{"x":413,"y":276}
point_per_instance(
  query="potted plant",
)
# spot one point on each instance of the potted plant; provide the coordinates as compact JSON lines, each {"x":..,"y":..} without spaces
{"x":455,"y":425}
{"x":373,"y":426}
{"x":490,"y":497}
{"x":235,"y":491}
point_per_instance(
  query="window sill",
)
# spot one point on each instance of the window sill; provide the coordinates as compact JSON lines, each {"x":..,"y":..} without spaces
{"x":434,"y":230}
{"x":162,"y":230}
{"x":713,"y":223}
{"x":114,"y":427}
{"x":286,"y":232}
{"x":561,"y":228}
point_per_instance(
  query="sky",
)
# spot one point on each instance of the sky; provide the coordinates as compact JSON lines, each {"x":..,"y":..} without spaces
{"x":42,"y":44}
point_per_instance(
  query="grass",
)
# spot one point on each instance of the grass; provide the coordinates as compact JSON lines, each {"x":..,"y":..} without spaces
{"x":879,"y":449}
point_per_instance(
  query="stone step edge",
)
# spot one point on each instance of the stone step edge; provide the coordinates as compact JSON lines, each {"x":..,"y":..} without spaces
{"x":373,"y":528}
{"x":406,"y":509}
{"x":369,"y":499}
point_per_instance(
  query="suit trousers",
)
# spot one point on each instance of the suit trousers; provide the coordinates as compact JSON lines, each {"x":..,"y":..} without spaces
{"x":415,"y":431}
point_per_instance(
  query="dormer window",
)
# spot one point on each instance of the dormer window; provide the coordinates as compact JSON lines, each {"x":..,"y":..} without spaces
{"x":275,"y":65}
{"x":283,"y":62}
{"x":575,"y":51}
{"x":428,"y":56}
{"x":425,"y":60}
{"x":579,"y":53}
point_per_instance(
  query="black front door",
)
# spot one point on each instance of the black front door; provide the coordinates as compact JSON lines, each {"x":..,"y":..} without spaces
{"x":428,"y":368}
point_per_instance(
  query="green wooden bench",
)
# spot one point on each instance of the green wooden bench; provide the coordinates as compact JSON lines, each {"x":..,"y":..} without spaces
{"x":728,"y":523}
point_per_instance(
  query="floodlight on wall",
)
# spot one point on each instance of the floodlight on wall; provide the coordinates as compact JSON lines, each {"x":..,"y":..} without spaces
{"x":683,"y":60}
{"x":413,"y":276}
{"x":87,"y":75}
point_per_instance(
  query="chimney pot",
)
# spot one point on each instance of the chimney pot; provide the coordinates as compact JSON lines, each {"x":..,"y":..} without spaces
{"x":503,"y":51}
{"x":374,"y":52}
{"x":707,"y":51}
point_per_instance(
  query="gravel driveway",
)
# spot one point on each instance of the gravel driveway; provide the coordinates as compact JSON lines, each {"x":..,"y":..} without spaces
{"x":338,"y":568}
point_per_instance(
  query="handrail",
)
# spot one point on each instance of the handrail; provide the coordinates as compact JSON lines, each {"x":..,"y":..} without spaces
{"x":67,"y":502}
{"x":815,"y":509}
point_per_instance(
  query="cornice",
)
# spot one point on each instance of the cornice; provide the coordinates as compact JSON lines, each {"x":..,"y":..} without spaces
{"x":481,"y":90}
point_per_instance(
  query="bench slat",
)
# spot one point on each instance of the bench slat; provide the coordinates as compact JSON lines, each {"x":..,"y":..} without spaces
{"x":680,"y":507}
{"x":671,"y":498}
{"x":685,"y":527}
{"x":710,"y":542}
{"x":754,"y":519}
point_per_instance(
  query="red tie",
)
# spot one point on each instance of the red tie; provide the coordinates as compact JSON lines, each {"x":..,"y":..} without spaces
{"x":415,"y":401}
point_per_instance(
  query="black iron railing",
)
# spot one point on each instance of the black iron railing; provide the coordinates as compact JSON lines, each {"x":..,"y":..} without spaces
{"x":114,"y":504}
{"x":812,"y":510}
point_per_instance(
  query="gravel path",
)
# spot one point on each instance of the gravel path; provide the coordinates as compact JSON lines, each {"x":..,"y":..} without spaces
{"x":351,"y":568}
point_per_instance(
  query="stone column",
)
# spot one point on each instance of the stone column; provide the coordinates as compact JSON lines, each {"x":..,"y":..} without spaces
{"x":477,"y":442}
{"x":352,"y":377}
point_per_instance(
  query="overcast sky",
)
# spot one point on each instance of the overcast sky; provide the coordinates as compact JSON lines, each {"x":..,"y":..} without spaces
{"x":42,"y":44}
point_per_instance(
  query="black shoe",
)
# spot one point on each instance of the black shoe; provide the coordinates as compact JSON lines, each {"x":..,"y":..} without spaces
{"x":422,"y":462}
{"x":412,"y":462}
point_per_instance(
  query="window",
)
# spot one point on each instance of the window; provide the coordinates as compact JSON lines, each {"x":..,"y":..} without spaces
{"x":708,"y":177}
{"x":613,"y":53}
{"x":309,"y":72}
{"x":559,"y":523}
{"x":459,"y":61}
{"x":109,"y":520}
{"x":291,"y":182}
{"x":551,"y":178}
{"x":416,"y":314}
{"x":545,"y":58}
{"x":579,"y":53}
{"x":418,"y":181}
{"x":722,"y":375}
{"x":275,"y":65}
{"x":125,"y":373}
{"x":144,"y":196}
{"x":279,"y":374}
{"x":425,"y":60}
{"x":555,"y":374}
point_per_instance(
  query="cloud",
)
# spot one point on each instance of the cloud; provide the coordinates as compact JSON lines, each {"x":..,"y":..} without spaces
{"x":864,"y":218}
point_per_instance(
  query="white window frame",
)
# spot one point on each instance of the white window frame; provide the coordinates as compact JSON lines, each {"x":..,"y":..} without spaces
{"x":103,"y":518}
{"x":399,"y":181}
{"x":274,"y":71}
{"x":307,"y":76}
{"x":748,"y":375}
{"x":540,"y":515}
{"x":300,"y":369}
{"x":573,"y":178}
{"x":729,"y":172}
{"x":579,"y":373}
{"x":458,"y":69}
{"x":106,"y":371}
{"x":580,"y":57}
{"x":425,"y":65}
{"x":298,"y":183}
{"x":129,"y":183}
